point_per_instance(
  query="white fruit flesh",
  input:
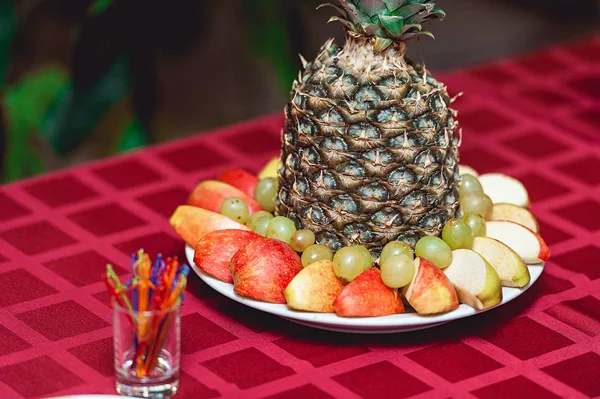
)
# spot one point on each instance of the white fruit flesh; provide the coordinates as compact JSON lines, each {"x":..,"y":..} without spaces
{"x":314,"y":289}
{"x":467,"y":270}
{"x":408,"y":289}
{"x":476,"y":282}
{"x":511,"y":269}
{"x":504,"y":189}
{"x":514,"y":213}
{"x":467,"y":170}
{"x":518,"y":238}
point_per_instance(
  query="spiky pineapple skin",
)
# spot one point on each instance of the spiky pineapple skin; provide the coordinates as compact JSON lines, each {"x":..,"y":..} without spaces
{"x":369,"y":150}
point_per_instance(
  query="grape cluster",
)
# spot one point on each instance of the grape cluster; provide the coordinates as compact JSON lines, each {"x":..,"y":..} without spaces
{"x":397,"y":259}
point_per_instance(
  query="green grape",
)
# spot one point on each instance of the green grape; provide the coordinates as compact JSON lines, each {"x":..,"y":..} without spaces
{"x":477,"y":203}
{"x":348,"y":263}
{"x":434,"y":250}
{"x":235,"y":208}
{"x":265,"y":193}
{"x":315,"y":253}
{"x":476,"y":223}
{"x":469,"y":184}
{"x":281,"y":228}
{"x":302,"y":239}
{"x":395,"y":248}
{"x":457,"y":234}
{"x":257,"y":215}
{"x":368,"y":259}
{"x":398,"y":270}
{"x":260,"y":226}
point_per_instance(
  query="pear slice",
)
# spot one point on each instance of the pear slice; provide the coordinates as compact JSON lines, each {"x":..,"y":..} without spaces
{"x":511,"y":269}
{"x":475,"y":280}
{"x":504,"y":189}
{"x":315,"y":288}
{"x":467,"y":170}
{"x":517,"y":214}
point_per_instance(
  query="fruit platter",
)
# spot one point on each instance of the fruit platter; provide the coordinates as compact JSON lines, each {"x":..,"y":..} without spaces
{"x":366,"y":221}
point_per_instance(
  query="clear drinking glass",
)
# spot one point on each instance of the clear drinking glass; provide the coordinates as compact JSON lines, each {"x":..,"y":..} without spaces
{"x":147,"y":352}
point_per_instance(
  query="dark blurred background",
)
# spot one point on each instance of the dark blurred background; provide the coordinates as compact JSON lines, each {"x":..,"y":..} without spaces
{"x":84,"y":79}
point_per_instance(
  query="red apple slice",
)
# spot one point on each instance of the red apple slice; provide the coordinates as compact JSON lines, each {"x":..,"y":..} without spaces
{"x":193,"y":223}
{"x":215,"y":250}
{"x":504,"y":189}
{"x":263,"y":268}
{"x":240,"y":179}
{"x":315,"y":288}
{"x":529,"y":245}
{"x":210,"y":194}
{"x":514,"y":213}
{"x":430,"y":291}
{"x":368,"y":296}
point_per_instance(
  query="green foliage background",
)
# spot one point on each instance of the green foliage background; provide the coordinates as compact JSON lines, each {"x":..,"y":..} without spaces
{"x":57,"y":109}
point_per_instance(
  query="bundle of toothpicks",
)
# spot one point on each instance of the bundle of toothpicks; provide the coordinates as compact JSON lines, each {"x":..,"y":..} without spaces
{"x":148,"y":297}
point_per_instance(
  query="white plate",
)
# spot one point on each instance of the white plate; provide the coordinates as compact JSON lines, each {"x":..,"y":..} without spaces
{"x":409,"y":321}
{"x":88,"y":397}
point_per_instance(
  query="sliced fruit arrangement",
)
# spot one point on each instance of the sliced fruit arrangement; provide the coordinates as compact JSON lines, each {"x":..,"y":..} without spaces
{"x":192,"y":223}
{"x":368,"y":296}
{"x":515,"y":213}
{"x":263,"y":268}
{"x":240,"y":179}
{"x":511,"y":269}
{"x":210,"y":195}
{"x":430,"y":291}
{"x":238,"y":240}
{"x":270,"y":169}
{"x":528,"y":244}
{"x":315,"y":288}
{"x":215,"y":250}
{"x":504,"y":189}
{"x":475,"y":280}
{"x":467,"y":170}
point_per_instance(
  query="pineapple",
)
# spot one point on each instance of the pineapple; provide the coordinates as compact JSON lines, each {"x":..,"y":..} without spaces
{"x":369,"y":151}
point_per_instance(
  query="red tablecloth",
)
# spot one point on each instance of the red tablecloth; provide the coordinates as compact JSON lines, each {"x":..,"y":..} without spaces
{"x":535,"y":117}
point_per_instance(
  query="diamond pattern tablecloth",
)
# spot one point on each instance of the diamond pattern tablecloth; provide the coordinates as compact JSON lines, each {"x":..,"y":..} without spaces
{"x":535,"y":117}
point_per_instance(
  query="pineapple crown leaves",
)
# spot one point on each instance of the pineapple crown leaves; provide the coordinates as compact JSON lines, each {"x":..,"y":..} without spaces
{"x":387,"y":20}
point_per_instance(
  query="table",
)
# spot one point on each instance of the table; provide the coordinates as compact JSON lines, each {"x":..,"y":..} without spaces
{"x":536,"y":117}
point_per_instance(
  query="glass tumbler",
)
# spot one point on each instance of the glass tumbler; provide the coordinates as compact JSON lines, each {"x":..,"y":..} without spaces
{"x":147,"y":352}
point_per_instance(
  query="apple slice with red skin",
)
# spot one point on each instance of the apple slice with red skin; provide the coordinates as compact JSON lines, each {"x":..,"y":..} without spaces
{"x":240,"y":179}
{"x":192,"y":223}
{"x":263,"y":268}
{"x":215,"y":250}
{"x":210,"y":194}
{"x":529,"y":245}
{"x":430,"y":291}
{"x":517,"y":214}
{"x":315,"y":288}
{"x":368,"y":296}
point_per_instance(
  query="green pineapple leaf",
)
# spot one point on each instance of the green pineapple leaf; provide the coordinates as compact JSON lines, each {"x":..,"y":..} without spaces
{"x":370,"y":7}
{"x":392,"y":20}
{"x":392,"y":25}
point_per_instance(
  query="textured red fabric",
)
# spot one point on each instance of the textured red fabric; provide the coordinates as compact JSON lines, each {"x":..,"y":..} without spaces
{"x":535,"y":117}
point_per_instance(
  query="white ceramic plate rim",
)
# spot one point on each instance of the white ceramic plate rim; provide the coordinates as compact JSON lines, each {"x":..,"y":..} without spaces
{"x":397,"y":322}
{"x":91,"y":396}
